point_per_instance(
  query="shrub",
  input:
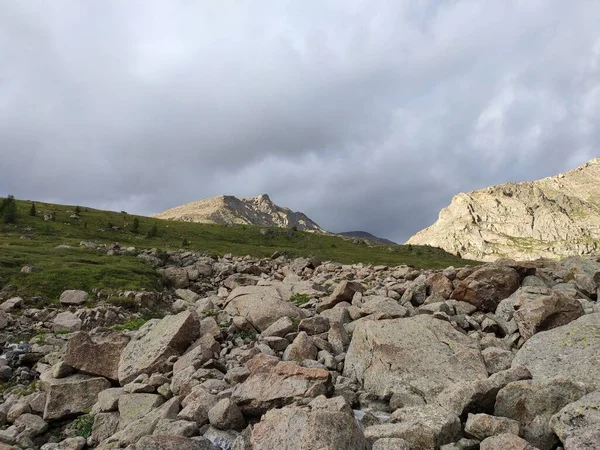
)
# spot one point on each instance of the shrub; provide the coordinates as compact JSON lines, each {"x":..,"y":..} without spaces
{"x":83,"y":425}
{"x":130,"y":325}
{"x":124,"y":302}
{"x":8,"y":209}
{"x":299,"y":299}
{"x":77,"y":210}
{"x":32,"y":211}
{"x":135,"y":227}
{"x":153,"y":232}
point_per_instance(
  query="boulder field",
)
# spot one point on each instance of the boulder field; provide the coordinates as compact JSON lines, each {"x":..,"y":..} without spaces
{"x":262,"y":354}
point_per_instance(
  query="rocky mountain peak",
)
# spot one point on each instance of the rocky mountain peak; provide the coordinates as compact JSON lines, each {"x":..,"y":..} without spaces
{"x":230,"y":210}
{"x":552,"y":217}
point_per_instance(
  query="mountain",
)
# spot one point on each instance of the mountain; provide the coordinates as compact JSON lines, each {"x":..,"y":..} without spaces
{"x":367,"y":236}
{"x":230,"y":210}
{"x":553,"y":217}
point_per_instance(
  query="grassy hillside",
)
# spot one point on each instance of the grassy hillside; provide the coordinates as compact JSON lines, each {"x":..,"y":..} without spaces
{"x":31,"y":240}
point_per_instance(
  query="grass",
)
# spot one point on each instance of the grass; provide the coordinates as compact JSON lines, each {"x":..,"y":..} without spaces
{"x":299,"y":299}
{"x":82,"y":425}
{"x":131,"y":324}
{"x":33,"y":241}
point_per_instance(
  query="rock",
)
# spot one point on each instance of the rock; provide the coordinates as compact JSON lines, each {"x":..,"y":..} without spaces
{"x":169,"y":337}
{"x":545,"y":312}
{"x":187,"y":295}
{"x":66,"y":321}
{"x":177,"y":277}
{"x":385,"y":305}
{"x":105,"y":425}
{"x":301,"y":348}
{"x":343,"y":292}
{"x":532,"y":403}
{"x":96,"y":354}
{"x":577,"y":425}
{"x":419,"y":353}
{"x":34,"y":425}
{"x":497,"y":359}
{"x":569,"y":351}
{"x":198,"y":355}
{"x":481,"y":426}
{"x":62,"y":370}
{"x":273,"y":383}
{"x":136,"y":406}
{"x":506,"y":441}
{"x":262,"y":306}
{"x":486,"y":287}
{"x":439,"y":284}
{"x":279,"y":328}
{"x":226,"y":415}
{"x":423,"y":427}
{"x":172,"y":442}
{"x":108,"y":399}
{"x":176,"y":427}
{"x":11,"y":304}
{"x":72,"y":395}
{"x":314,"y":325}
{"x":391,"y":444}
{"x":73,"y":298}
{"x":197,"y":404}
{"x":324,"y":424}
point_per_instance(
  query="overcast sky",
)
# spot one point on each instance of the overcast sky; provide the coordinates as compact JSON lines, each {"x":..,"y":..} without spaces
{"x":365,"y":115}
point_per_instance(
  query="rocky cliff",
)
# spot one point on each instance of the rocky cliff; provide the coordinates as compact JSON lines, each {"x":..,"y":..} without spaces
{"x":230,"y":210}
{"x":553,"y":217}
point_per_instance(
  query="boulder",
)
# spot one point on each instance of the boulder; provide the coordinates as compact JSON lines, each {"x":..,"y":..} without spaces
{"x":262,"y":306}
{"x":440,"y":284}
{"x":66,"y":321}
{"x":481,"y":426}
{"x":324,"y":424}
{"x":545,"y":312}
{"x":424,"y":427}
{"x":225,"y":415}
{"x":136,"y":406}
{"x":273,"y":383}
{"x":420,"y":353}
{"x":533,"y":403}
{"x":506,"y":441}
{"x":169,"y":337}
{"x":70,"y":396}
{"x":196,"y":405}
{"x":570,"y":351}
{"x":96,"y":354}
{"x":343,"y":292}
{"x":385,"y":305}
{"x":173,"y":442}
{"x":487,"y":286}
{"x":73,"y":298}
{"x":104,"y":426}
{"x":301,"y":348}
{"x":578,"y":424}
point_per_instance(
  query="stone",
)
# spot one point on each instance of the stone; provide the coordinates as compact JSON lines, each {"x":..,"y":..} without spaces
{"x":324,"y":424}
{"x":136,"y":406}
{"x":481,"y":426}
{"x":280,"y":328}
{"x":343,"y":292}
{"x":108,"y":399}
{"x":11,"y":304}
{"x":96,"y":354}
{"x":197,"y":404}
{"x":577,"y":424}
{"x":487,"y":286}
{"x":168,"y":338}
{"x":177,"y":277}
{"x":73,"y":298}
{"x":173,"y":442}
{"x":385,"y":305}
{"x":273,"y":383}
{"x":196,"y":356}
{"x":62,"y":370}
{"x":261,"y":306}
{"x":176,"y":427}
{"x":440,"y":284}
{"x":104,"y":426}
{"x":420,"y":353}
{"x":391,"y":444}
{"x":226,"y":415}
{"x":34,"y":425}
{"x":497,"y":359}
{"x":66,"y":321}
{"x":301,"y":348}
{"x":424,"y":427}
{"x":72,"y":395}
{"x":533,"y":403}
{"x":569,"y":351}
{"x":506,"y":441}
{"x":314,"y":325}
{"x":545,"y":312}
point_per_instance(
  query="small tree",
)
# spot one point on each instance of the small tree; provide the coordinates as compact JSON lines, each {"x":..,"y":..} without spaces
{"x":77,"y":210}
{"x":8,"y":209}
{"x":135,"y":226}
{"x":32,"y":211}
{"x":153,"y":231}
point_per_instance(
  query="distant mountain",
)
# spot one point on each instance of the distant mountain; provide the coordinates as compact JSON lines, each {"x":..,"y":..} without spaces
{"x":366,"y":235}
{"x":554,"y":217}
{"x":230,"y":210}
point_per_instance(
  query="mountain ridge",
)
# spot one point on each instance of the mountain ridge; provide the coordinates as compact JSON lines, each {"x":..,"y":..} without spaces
{"x":553,"y":217}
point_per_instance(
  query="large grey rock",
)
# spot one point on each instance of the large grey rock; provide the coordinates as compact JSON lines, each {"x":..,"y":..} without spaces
{"x":532,"y":403}
{"x":173,"y":442}
{"x":301,"y":348}
{"x":71,"y":395}
{"x":225,"y":415}
{"x":545,"y":311}
{"x":96,"y":354}
{"x":419,"y":353}
{"x":486,"y":287}
{"x":105,"y":425}
{"x":197,"y":404}
{"x":324,"y":424}
{"x":343,"y":292}
{"x":423,"y":427}
{"x":578,"y":423}
{"x":169,"y":337}
{"x":73,"y":298}
{"x":136,"y":406}
{"x":481,"y":426}
{"x":261,"y":306}
{"x":273,"y":383}
{"x":570,"y":351}
{"x":506,"y":441}
{"x":66,"y":321}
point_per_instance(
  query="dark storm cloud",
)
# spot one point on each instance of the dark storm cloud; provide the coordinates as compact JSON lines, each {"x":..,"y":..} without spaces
{"x":364,"y":115}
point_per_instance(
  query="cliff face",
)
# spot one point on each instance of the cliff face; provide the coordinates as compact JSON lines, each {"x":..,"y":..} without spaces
{"x":230,"y":210}
{"x":553,"y":217}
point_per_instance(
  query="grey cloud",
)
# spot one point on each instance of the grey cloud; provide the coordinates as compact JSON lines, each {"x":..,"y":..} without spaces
{"x":364,"y":115}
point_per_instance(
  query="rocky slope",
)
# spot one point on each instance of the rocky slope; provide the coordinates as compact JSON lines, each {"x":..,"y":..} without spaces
{"x":553,"y":217}
{"x":275,"y":353}
{"x":367,"y":236}
{"x":230,"y":210}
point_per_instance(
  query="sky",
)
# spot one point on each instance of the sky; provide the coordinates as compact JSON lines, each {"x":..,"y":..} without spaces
{"x":365,"y":115}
